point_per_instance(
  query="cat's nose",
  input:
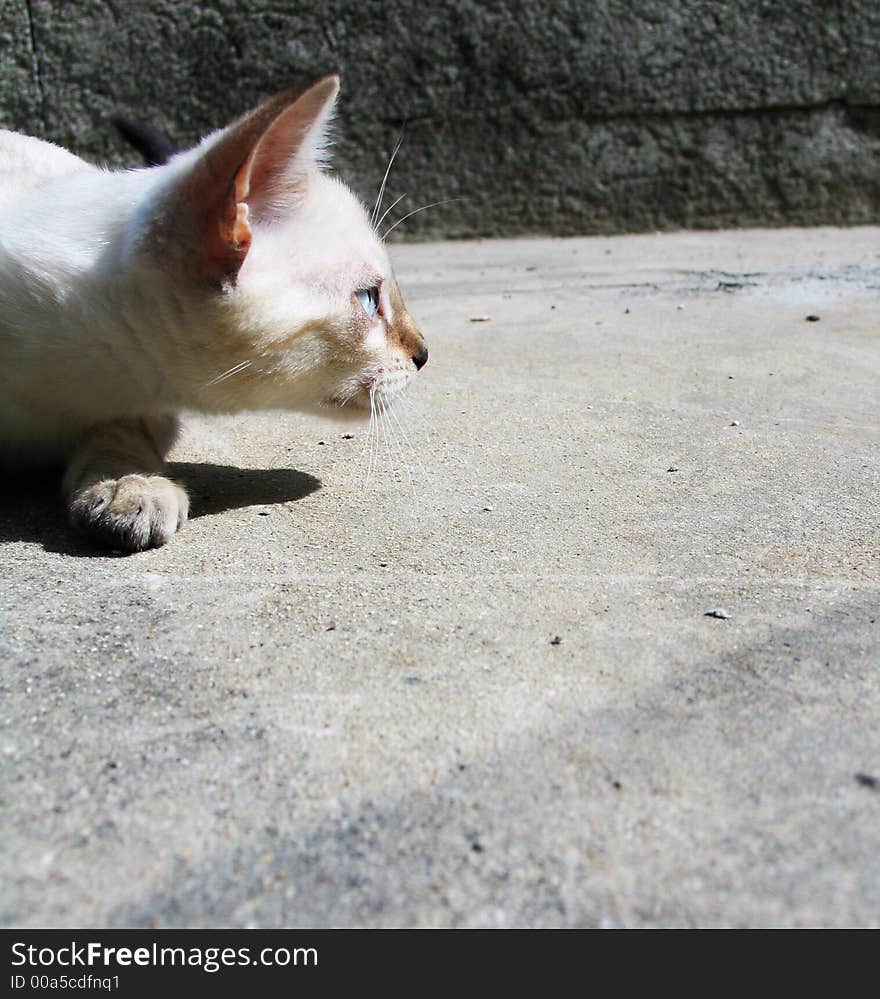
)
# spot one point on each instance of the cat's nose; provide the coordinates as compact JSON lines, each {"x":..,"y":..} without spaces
{"x":420,"y":359}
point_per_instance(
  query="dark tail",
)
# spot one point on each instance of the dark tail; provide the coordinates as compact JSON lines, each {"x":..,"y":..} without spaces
{"x":152,"y":144}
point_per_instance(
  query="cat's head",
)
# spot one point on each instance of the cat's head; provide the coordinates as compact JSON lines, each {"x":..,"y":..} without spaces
{"x":304,"y":308}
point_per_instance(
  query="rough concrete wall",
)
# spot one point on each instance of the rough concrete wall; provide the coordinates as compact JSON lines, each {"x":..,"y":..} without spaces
{"x":557,"y":117}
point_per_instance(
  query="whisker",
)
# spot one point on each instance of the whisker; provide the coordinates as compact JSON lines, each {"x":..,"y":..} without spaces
{"x":409,"y":443}
{"x":230,"y":372}
{"x":387,"y":210}
{"x":377,"y":439}
{"x":378,"y":206}
{"x":389,"y":411}
{"x":414,"y":415}
{"x":367,"y":437}
{"x":369,"y":441}
{"x":434,"y":204}
{"x":404,"y":457}
{"x":384,"y":427}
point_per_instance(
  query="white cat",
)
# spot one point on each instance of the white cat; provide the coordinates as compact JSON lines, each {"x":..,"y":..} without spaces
{"x":237,"y":276}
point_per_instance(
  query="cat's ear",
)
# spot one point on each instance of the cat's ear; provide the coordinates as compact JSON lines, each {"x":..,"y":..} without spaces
{"x":254,"y":170}
{"x":289,"y":148}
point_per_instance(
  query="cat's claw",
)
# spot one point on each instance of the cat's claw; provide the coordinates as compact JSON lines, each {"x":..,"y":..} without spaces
{"x":133,"y":512}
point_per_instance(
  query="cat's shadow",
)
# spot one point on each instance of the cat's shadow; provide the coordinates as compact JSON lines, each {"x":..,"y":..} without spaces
{"x":216,"y":488}
{"x":33,"y":510}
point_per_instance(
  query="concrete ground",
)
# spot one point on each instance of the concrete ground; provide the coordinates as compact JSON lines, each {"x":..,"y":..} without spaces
{"x":491,"y":696}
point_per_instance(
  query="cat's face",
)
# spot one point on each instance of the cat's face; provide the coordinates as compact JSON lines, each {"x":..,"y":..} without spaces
{"x":307,"y":309}
{"x":318,"y":296}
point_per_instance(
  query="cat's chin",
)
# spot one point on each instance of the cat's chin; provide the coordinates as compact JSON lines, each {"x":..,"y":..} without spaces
{"x":354,"y":410}
{"x":359,"y":405}
{"x":344,"y":413}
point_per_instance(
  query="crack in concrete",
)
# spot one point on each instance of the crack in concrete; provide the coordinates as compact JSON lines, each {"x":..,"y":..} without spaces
{"x":850,"y":108}
{"x":860,"y":114}
{"x":35,"y":62}
{"x":700,"y":282}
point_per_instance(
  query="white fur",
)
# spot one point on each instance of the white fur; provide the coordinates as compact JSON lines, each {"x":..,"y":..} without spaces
{"x":103,"y":325}
{"x":91,"y":329}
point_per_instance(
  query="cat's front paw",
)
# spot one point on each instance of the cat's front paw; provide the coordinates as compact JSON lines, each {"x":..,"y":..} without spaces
{"x":133,"y":512}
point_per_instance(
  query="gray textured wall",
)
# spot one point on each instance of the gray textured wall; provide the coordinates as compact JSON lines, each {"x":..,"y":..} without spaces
{"x":559,"y":117}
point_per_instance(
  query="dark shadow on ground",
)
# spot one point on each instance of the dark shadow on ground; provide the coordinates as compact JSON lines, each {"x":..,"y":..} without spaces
{"x":32,"y":508}
{"x":216,"y":488}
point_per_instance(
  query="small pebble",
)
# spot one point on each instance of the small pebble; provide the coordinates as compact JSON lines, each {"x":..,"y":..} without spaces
{"x":488,"y":509}
{"x":868,"y":780}
{"x":348,"y":437}
{"x":813,"y":319}
{"x":734,"y":423}
{"x":718,"y":612}
{"x":672,"y":468}
{"x":556,"y":640}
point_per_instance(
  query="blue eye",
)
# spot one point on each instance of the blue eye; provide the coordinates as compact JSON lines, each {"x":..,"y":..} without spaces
{"x":369,"y":299}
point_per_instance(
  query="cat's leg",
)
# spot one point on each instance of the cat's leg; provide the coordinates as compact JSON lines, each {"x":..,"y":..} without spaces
{"x":113,"y":487}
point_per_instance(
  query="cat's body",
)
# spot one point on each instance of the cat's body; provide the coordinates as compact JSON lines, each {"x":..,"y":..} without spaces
{"x":238,"y":276}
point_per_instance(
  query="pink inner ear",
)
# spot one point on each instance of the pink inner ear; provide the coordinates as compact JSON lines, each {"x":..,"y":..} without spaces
{"x":285,"y":152}
{"x":275,"y":154}
{"x":227,"y":237}
{"x":235,"y":211}
{"x":240,"y":236}
{"x":251,"y":171}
